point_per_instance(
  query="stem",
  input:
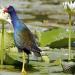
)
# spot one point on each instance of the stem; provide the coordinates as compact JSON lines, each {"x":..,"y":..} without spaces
{"x":2,"y":43}
{"x":69,"y":43}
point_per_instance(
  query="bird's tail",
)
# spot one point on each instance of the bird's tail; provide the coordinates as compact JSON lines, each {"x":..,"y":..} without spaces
{"x":37,"y":51}
{"x":38,"y":54}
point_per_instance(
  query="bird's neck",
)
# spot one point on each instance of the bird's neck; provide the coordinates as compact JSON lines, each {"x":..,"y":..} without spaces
{"x":14,"y":19}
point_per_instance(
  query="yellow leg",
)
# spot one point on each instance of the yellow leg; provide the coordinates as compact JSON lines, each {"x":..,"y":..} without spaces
{"x":24,"y":62}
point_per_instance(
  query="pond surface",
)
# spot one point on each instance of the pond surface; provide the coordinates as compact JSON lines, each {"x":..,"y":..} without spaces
{"x":29,"y":11}
{"x":9,"y":73}
{"x":44,"y":71}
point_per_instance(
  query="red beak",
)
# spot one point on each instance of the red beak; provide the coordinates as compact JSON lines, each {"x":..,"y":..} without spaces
{"x":5,"y":10}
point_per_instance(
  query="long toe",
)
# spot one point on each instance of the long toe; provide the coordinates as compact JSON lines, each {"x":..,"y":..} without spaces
{"x":24,"y":72}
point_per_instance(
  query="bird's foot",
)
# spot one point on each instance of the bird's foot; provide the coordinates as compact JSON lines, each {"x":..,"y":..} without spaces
{"x":24,"y":72}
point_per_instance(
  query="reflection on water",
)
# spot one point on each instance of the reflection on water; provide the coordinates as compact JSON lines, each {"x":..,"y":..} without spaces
{"x":9,"y":73}
{"x":29,"y":8}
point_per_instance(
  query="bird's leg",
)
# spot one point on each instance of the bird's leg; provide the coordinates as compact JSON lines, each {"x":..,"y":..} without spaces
{"x":28,"y":59}
{"x":24,"y":62}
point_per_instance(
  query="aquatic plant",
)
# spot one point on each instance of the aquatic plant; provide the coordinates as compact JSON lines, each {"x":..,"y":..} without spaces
{"x":3,"y":19}
{"x":70,"y":9}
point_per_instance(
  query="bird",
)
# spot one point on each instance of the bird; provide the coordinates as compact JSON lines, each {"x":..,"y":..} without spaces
{"x":23,"y":37}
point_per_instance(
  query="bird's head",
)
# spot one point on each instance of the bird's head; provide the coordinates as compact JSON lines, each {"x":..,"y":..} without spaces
{"x":9,"y":9}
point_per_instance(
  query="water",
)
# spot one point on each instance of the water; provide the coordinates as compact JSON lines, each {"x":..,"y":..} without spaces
{"x":29,"y":11}
{"x":9,"y":73}
{"x":25,"y":7}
